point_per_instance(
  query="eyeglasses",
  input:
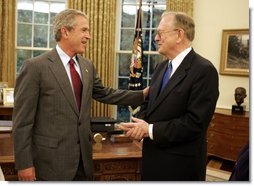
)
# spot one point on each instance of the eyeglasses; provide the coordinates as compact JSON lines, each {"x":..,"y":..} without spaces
{"x":160,"y":32}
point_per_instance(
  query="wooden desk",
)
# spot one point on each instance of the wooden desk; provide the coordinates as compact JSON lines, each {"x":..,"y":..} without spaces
{"x":112,"y":161}
{"x":227,"y":134}
{"x":6,"y":112}
{"x":117,"y":161}
{"x":6,"y":157}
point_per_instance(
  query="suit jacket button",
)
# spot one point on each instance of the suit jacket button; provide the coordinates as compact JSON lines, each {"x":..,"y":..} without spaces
{"x":78,"y":142}
{"x":79,"y":123}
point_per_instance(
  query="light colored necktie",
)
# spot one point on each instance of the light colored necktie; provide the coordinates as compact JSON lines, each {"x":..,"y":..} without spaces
{"x":76,"y":83}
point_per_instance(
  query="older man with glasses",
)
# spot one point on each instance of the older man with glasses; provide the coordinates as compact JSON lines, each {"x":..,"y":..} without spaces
{"x":182,"y":99}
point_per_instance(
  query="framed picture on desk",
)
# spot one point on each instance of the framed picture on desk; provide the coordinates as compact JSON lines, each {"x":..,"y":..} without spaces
{"x":2,"y":85}
{"x":8,"y":96}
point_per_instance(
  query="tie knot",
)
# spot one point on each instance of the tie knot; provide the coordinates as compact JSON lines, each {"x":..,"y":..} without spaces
{"x":71,"y":62}
{"x":170,"y":64}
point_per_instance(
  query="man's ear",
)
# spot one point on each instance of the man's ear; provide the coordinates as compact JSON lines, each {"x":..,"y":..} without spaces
{"x":65,"y":32}
{"x":180,"y":33}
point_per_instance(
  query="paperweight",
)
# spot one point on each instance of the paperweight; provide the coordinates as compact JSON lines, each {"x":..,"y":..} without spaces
{"x":98,"y":138}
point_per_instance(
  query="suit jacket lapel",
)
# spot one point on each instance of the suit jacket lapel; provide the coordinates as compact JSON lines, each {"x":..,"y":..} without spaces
{"x":176,"y":78}
{"x":156,"y":88}
{"x":62,"y":78}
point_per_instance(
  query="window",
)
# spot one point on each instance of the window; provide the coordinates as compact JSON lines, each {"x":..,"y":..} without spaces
{"x":152,"y":11}
{"x":34,"y":31}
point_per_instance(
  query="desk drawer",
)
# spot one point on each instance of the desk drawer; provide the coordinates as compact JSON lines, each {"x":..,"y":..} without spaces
{"x":9,"y":171}
{"x":117,"y":169}
{"x":116,"y":177}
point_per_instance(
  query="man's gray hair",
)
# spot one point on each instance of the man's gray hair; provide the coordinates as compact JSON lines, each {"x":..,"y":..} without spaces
{"x":183,"y":21}
{"x":66,"y":18}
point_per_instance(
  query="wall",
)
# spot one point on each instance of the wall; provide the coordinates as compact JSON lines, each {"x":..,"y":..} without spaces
{"x":211,"y":17}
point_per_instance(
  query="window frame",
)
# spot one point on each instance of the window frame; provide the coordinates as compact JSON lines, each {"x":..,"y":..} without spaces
{"x":32,"y":48}
{"x":150,"y":53}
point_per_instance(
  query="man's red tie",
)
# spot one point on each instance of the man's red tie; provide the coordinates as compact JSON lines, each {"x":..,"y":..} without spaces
{"x":76,"y":82}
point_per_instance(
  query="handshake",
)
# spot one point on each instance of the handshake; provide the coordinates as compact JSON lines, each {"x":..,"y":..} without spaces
{"x":137,"y":129}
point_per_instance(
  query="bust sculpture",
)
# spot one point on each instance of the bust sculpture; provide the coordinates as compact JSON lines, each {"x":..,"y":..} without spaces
{"x":240,"y":94}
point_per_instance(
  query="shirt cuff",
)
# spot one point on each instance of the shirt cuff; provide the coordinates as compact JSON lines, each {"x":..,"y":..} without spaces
{"x":150,"y":131}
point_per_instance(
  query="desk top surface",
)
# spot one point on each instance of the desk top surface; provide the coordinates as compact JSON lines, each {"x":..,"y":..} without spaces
{"x":109,"y":150}
{"x":229,"y":112}
{"x":6,"y":110}
{"x":101,"y":151}
{"x":6,"y":106}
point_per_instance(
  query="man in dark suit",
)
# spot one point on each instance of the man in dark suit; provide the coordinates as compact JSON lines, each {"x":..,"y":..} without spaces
{"x":176,"y":118}
{"x":240,"y":171}
{"x":53,"y":97}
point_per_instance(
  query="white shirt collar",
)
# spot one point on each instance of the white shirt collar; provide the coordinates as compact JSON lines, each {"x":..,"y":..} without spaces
{"x":178,"y":59}
{"x":64,"y":57}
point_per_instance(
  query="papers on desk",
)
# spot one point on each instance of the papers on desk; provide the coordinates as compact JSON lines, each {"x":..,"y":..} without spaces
{"x":5,"y":125}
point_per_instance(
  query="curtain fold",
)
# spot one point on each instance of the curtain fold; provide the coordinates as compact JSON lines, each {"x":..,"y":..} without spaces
{"x":101,"y":47}
{"x":181,"y":6}
{"x":7,"y":41}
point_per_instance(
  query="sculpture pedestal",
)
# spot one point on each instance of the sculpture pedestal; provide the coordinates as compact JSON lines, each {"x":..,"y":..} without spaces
{"x":238,"y":109}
